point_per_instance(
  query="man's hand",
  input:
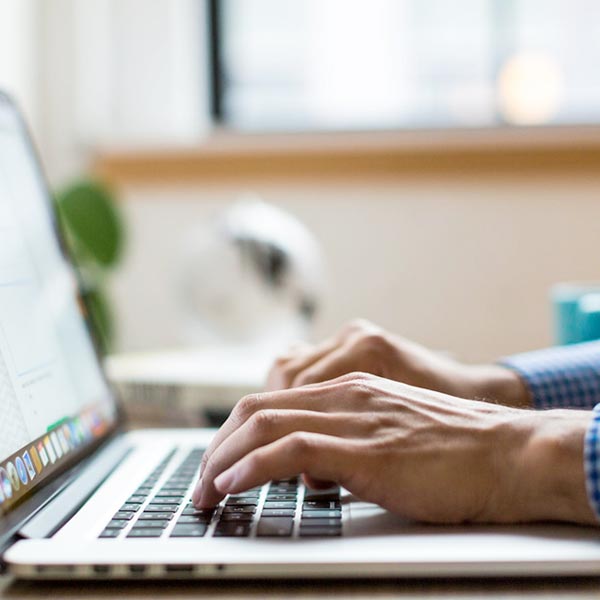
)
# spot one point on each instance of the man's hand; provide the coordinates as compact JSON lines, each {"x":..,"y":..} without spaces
{"x":422,"y":454}
{"x":363,"y":346}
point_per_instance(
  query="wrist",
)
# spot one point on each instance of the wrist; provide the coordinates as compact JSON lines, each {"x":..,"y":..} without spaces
{"x":543,"y":474}
{"x":495,"y":383}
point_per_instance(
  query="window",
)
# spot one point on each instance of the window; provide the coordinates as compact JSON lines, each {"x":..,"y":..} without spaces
{"x":405,"y":64}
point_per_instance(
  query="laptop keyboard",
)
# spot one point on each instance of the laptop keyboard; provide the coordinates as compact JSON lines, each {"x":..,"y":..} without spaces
{"x":283,"y":509}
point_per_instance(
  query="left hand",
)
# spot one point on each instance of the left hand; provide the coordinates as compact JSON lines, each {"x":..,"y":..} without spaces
{"x":424,"y":455}
{"x":365,"y":347}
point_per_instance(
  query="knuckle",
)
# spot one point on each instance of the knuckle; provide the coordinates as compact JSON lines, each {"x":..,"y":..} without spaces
{"x":359,"y":376}
{"x":358,"y":324}
{"x":209,"y":469}
{"x":353,"y":376}
{"x":203,"y":463}
{"x":358,"y":388}
{"x":281,"y":359}
{"x":300,"y":442}
{"x":262,"y":421}
{"x":248,"y":405}
{"x":372,"y":341}
{"x":385,"y":421}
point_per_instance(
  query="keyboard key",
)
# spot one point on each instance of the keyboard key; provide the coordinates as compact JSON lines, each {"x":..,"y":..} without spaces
{"x":278,"y":512}
{"x":281,"y":497}
{"x":137,"y":499}
{"x":321,"y":505}
{"x":322,"y":514}
{"x":242,"y":502}
{"x":275,"y":527}
{"x":189,"y":530}
{"x":190,"y":510}
{"x":320,"y":531}
{"x":229,"y":517}
{"x":320,"y":523}
{"x":154,"y":524}
{"x":117,"y":524}
{"x":155,"y":516}
{"x":175,"y":495}
{"x":239,"y":509}
{"x":194,"y":519}
{"x":110,"y":533}
{"x":174,"y":502}
{"x":232,"y":530}
{"x":129,"y":507}
{"x":282,"y":490}
{"x":161,"y":507}
{"x":254,"y":494}
{"x":145,"y":532}
{"x":269,"y":504}
{"x":123,"y":515}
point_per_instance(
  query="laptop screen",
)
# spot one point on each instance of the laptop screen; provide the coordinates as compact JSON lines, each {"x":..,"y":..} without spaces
{"x":54,"y":401}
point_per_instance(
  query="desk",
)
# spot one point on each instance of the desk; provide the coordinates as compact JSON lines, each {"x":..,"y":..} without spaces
{"x":539,"y":588}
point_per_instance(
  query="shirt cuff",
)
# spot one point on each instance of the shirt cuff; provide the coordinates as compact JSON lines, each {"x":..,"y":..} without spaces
{"x":560,"y":377}
{"x":591,"y":450}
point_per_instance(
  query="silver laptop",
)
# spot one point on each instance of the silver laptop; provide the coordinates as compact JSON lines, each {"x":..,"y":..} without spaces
{"x":82,"y":498}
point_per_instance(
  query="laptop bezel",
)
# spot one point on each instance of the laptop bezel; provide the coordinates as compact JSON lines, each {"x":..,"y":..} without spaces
{"x":12,"y":521}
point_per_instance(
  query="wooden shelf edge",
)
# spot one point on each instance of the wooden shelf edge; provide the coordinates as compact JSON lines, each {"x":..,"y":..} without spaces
{"x":232,"y":157}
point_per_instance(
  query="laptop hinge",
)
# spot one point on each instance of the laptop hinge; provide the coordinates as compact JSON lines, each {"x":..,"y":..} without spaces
{"x":65,"y":504}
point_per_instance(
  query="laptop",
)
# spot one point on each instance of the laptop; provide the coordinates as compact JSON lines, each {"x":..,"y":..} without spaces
{"x":82,"y":497}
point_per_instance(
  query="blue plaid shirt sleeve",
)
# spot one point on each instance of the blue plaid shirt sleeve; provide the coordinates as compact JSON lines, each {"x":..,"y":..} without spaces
{"x":568,"y":377}
{"x":591,"y":450}
{"x":561,"y":377}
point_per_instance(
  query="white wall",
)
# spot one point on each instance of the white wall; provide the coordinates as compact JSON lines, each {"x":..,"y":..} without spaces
{"x":18,"y":54}
{"x":459,"y":264}
{"x":462,"y":264}
{"x":118,"y":73}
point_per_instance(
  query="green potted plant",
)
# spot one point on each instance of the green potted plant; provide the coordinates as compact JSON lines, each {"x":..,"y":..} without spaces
{"x":94,"y":234}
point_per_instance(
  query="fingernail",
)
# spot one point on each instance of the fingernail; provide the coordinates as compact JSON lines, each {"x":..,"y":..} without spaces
{"x":224,"y":481}
{"x":197,"y":492}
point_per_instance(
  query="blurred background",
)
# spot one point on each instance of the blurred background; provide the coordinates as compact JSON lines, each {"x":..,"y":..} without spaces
{"x":445,"y":156}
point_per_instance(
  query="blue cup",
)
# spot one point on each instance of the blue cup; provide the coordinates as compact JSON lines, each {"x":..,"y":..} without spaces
{"x":576,"y":308}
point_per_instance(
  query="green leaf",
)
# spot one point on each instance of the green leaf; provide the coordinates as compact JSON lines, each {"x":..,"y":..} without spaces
{"x":94,"y":226}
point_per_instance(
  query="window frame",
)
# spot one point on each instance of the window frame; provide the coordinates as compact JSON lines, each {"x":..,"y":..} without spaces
{"x":215,"y":41}
{"x":216,"y":35}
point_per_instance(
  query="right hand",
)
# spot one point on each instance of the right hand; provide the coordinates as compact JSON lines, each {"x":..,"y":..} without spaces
{"x":421,"y":454}
{"x":362,"y":346}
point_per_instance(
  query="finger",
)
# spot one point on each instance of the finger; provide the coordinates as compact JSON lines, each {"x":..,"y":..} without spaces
{"x":287,"y":368}
{"x":294,"y":351}
{"x":266,"y":427}
{"x":284,"y":371}
{"x":322,"y":457}
{"x":358,"y":326}
{"x":316,"y":484}
{"x":338,"y":362}
{"x":322,"y":397}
